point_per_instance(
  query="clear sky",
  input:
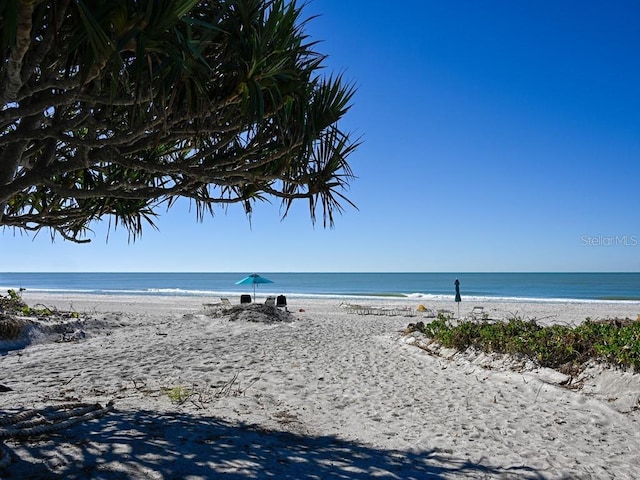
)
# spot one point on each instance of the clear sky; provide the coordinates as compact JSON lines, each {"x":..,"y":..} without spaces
{"x":498,"y":136}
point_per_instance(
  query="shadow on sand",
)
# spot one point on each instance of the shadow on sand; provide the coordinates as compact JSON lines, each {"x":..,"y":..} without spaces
{"x":152,"y":445}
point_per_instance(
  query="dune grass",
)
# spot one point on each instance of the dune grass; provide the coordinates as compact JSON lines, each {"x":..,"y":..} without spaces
{"x":556,"y":346}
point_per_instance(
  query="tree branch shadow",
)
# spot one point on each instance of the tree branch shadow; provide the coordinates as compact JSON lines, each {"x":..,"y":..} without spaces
{"x":147,"y":444}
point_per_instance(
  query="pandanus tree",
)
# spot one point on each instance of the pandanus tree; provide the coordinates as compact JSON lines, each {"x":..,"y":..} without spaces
{"x":112,"y":109}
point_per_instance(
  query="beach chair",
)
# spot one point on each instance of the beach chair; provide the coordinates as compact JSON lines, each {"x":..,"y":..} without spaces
{"x":364,"y":310}
{"x":270,"y":301}
{"x":359,"y":309}
{"x":350,"y":308}
{"x":406,"y":312}
{"x":215,"y":307}
{"x":477,"y":313}
{"x":281,"y":302}
{"x":389,"y":311}
{"x":427,"y":312}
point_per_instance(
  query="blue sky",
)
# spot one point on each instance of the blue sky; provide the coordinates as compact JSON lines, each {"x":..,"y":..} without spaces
{"x":497,"y":136}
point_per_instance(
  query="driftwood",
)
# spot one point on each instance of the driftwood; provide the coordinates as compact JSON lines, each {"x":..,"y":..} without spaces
{"x":51,"y":419}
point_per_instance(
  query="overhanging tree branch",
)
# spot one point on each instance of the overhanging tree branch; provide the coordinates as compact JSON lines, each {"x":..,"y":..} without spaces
{"x":111,"y":109}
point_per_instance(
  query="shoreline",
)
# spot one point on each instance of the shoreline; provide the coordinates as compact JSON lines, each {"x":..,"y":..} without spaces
{"x":179,"y":293}
{"x":409,"y":297}
{"x":324,"y":394}
{"x":567,"y":312}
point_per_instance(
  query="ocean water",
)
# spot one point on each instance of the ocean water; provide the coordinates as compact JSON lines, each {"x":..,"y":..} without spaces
{"x":621,"y":287}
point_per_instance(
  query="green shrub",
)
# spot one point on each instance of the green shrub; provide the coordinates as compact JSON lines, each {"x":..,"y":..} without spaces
{"x":13,"y":301}
{"x":554,"y":346}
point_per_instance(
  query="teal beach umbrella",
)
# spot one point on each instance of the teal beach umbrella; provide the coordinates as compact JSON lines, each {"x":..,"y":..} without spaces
{"x":253,"y":279}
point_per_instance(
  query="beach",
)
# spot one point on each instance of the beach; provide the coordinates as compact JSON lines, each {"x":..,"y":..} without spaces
{"x":325,"y":392}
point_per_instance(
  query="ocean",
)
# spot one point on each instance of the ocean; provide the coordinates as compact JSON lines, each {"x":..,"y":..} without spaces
{"x":619,"y":287}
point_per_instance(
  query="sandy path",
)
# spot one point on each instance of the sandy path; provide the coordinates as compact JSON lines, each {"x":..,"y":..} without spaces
{"x":330,"y":395}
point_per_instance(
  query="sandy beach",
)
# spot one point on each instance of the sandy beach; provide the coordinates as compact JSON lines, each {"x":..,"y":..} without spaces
{"x":325,"y":393}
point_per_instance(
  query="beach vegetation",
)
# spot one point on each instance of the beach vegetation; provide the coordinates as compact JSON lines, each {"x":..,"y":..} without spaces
{"x":13,"y":301}
{"x":13,"y":304}
{"x":555,"y":346}
{"x":202,"y":396}
{"x":179,"y":394}
{"x":115,"y":110}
